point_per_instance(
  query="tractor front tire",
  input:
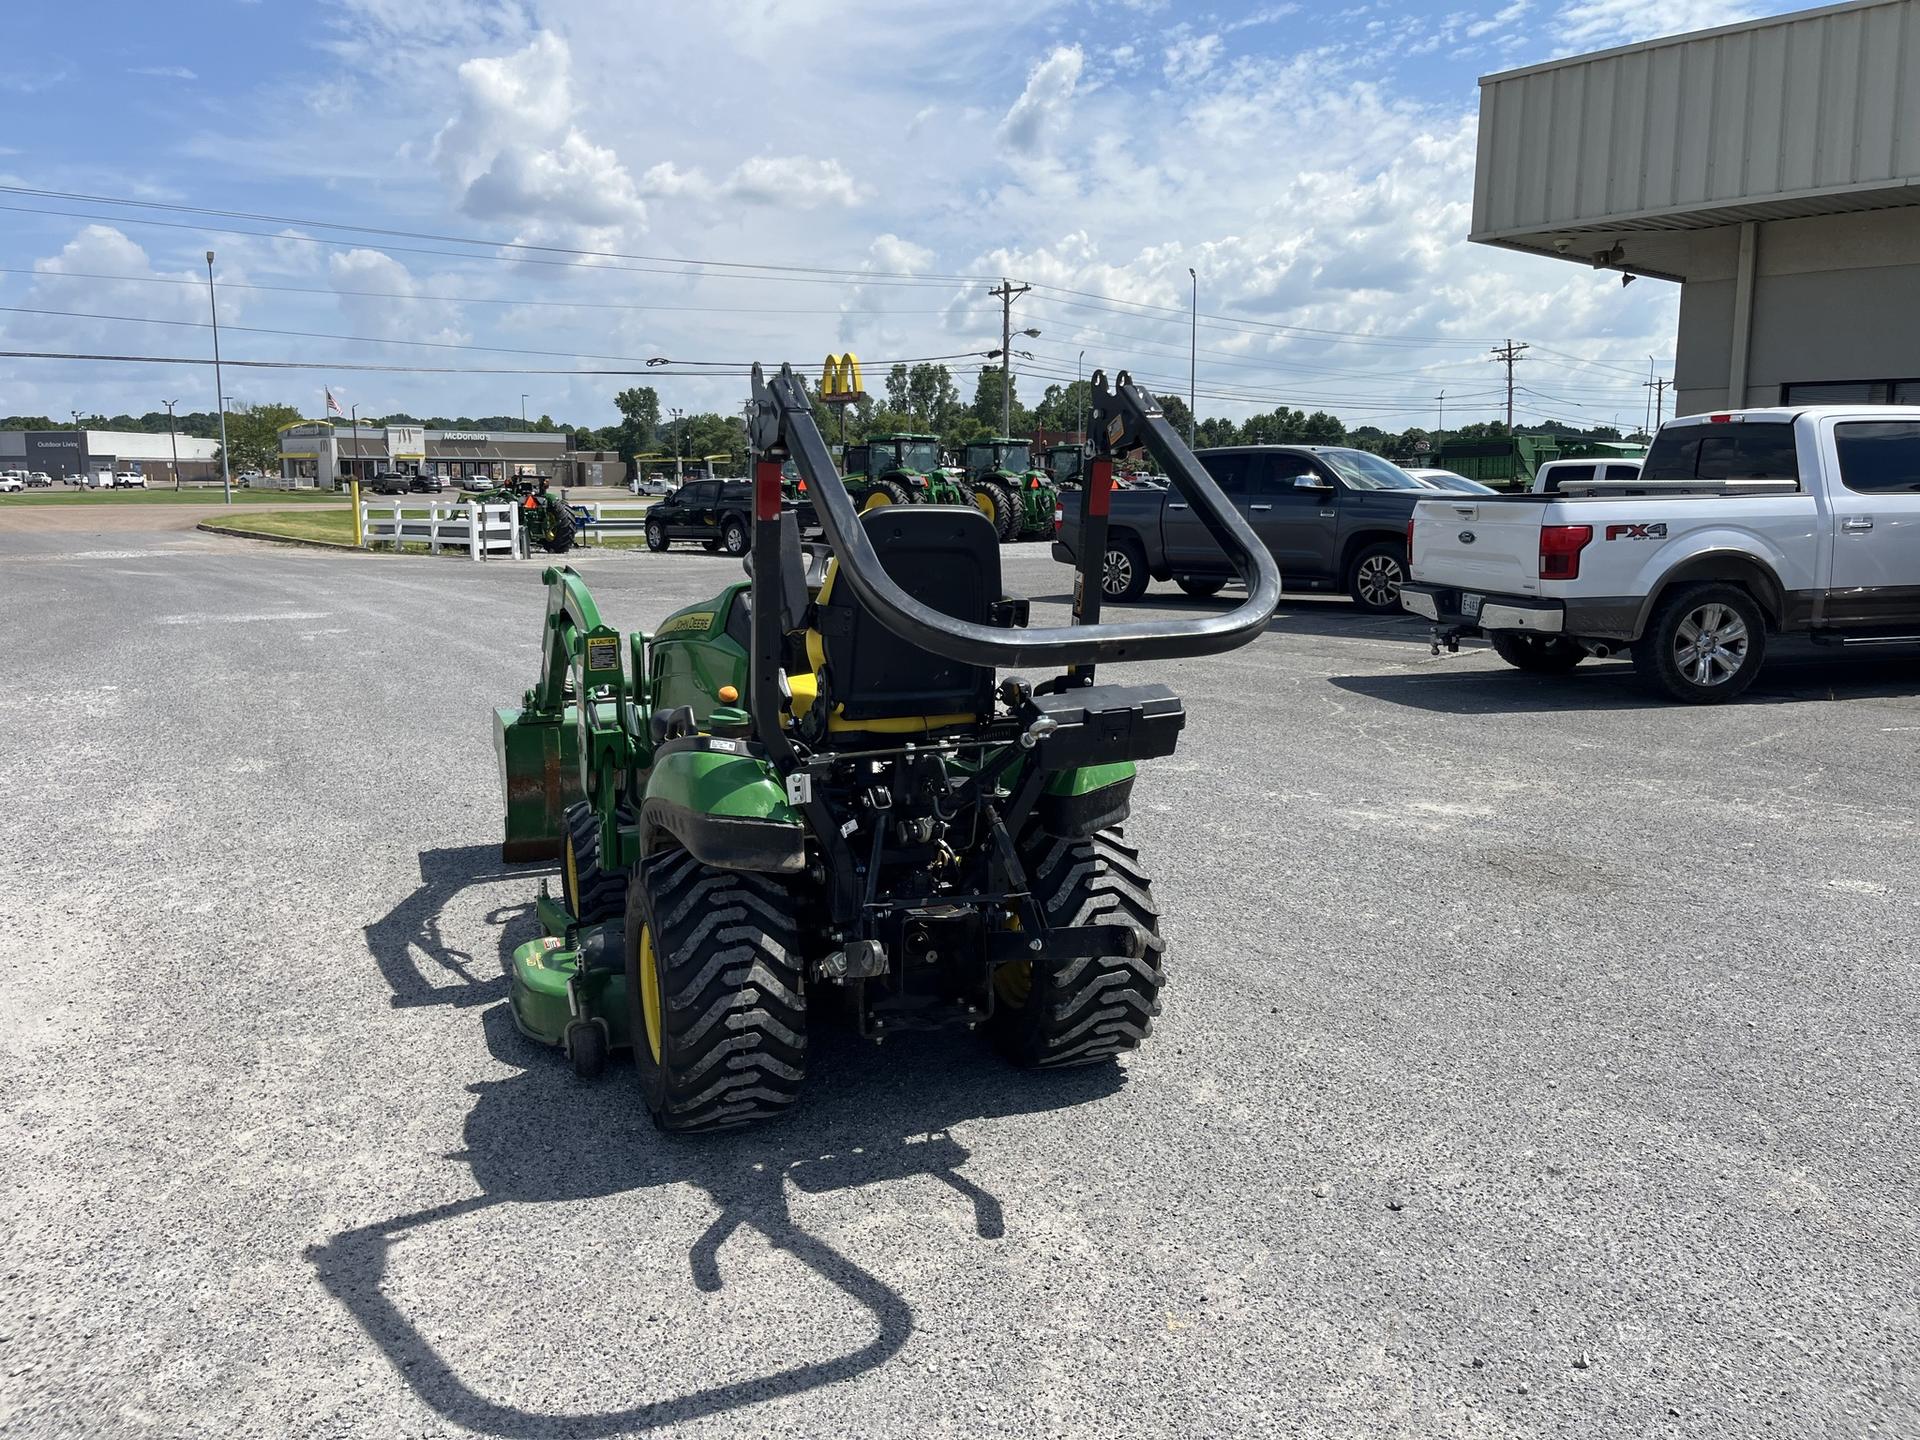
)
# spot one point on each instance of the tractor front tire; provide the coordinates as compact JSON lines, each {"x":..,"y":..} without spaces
{"x":593,"y":894}
{"x":1055,"y":1013}
{"x":717,"y":988}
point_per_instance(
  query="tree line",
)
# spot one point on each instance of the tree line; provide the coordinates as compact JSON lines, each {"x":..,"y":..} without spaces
{"x":922,"y":399}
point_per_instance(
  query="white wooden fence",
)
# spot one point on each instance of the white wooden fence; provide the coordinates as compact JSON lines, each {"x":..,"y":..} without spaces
{"x":613,"y":517}
{"x":482,"y":530}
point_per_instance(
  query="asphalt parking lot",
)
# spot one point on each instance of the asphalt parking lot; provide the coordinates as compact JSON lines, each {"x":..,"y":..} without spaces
{"x":1538,"y":1060}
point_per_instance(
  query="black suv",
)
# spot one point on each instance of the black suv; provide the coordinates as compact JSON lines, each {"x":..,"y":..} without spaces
{"x":717,"y":513}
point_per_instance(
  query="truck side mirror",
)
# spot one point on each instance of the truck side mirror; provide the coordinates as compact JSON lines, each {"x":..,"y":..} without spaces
{"x":1311,"y":482}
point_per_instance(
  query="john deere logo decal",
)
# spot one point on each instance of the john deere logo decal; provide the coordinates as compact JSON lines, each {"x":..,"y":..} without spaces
{"x":693,"y":620}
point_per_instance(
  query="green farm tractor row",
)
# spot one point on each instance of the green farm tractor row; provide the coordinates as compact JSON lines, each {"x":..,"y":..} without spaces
{"x":813,"y":797}
{"x":996,"y":476}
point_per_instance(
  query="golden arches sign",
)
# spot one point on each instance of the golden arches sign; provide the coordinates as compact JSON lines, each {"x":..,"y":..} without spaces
{"x":840,"y":379}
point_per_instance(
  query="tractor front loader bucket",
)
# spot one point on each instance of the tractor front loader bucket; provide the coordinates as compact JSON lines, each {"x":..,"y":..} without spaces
{"x":540,"y":775}
{"x":565,"y":743}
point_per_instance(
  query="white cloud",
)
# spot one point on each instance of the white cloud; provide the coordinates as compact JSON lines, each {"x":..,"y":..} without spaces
{"x":1191,"y":57}
{"x":377,"y":296}
{"x":514,"y":153}
{"x":164,"y":72}
{"x":1499,"y":20}
{"x":795,"y":181}
{"x":1598,"y":24}
{"x":1042,"y":108}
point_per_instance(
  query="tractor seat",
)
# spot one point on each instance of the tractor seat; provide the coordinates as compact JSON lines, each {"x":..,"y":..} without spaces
{"x":945,"y":556}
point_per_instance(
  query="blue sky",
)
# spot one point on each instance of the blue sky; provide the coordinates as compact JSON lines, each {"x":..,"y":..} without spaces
{"x":1312,"y":162}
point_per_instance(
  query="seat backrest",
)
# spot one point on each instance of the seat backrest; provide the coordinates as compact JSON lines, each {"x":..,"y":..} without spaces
{"x":945,"y":556}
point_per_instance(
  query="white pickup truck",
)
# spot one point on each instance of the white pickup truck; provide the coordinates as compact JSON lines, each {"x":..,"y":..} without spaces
{"x":1740,"y":525}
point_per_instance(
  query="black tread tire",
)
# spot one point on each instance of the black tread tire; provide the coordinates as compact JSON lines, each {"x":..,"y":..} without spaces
{"x":1393,"y":550}
{"x":1201,"y":589}
{"x":712,"y":547}
{"x":1087,"y":1010}
{"x":1006,"y":515}
{"x":1539,"y":654}
{"x":657,"y":540}
{"x":1653,"y":658}
{"x":1136,"y":558}
{"x":586,"y":1043}
{"x":561,"y":531}
{"x":602,"y":894}
{"x":733,"y":994}
{"x":735,"y":538}
{"x":895,"y":492}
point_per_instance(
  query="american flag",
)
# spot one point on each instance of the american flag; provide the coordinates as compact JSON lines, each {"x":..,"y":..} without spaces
{"x":333,"y":405}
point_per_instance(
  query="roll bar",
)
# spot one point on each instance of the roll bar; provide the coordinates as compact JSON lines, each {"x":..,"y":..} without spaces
{"x":1126,"y":417}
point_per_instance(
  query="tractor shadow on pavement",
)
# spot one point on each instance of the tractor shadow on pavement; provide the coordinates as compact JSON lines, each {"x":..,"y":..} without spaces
{"x":870,"y":1116}
{"x":423,"y":964}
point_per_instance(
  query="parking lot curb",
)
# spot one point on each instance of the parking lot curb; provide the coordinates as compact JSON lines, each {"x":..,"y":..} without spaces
{"x":215,"y":528}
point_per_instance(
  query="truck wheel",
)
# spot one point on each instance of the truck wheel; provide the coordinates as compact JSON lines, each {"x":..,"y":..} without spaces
{"x":1201,"y":589}
{"x":717,"y":995}
{"x":1123,"y":576}
{"x":733,"y":537}
{"x":1704,"y":645}
{"x":1050,"y":1013}
{"x":1543,"y":654}
{"x":656,"y":536}
{"x":592,"y":894}
{"x":1375,"y":577}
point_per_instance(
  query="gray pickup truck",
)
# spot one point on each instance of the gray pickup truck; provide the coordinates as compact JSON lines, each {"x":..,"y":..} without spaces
{"x":1334,"y":518}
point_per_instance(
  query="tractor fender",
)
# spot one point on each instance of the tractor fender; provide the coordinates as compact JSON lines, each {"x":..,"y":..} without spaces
{"x":1082,"y":801}
{"x":725,"y":808}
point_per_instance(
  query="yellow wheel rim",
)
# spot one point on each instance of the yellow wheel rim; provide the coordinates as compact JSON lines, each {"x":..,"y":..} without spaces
{"x":1013,"y":982}
{"x":984,"y":504}
{"x":573,"y":877}
{"x":876,"y":500}
{"x":650,"y":1006}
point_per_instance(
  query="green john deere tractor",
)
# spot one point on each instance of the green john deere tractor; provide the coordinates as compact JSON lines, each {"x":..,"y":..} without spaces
{"x":813,"y":793}
{"x":548,"y":520}
{"x":1066,"y":465}
{"x":1015,"y":496}
{"x":901,"y":470}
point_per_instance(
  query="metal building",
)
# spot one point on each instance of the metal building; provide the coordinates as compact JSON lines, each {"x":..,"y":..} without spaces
{"x":1770,"y":167}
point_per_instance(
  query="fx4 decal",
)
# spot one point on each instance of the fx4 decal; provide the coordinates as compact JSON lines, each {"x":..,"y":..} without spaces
{"x":1656,"y":531}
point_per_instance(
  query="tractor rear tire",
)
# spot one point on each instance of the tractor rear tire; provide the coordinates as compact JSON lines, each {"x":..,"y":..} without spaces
{"x":561,"y":531}
{"x":886,"y":492}
{"x":593,"y":895}
{"x":1050,"y":1014}
{"x":716,"y":984}
{"x":1005,"y":516}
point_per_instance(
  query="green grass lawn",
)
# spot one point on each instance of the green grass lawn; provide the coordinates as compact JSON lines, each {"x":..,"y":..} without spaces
{"x":193,"y":496}
{"x":309,"y":524}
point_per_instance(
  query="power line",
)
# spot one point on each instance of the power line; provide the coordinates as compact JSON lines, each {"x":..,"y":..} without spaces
{"x":493,"y":244}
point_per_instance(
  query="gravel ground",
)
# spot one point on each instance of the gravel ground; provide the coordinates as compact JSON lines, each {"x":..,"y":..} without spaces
{"x":1537,"y":1060}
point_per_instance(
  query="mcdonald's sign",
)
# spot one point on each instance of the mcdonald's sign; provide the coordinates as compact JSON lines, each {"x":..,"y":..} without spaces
{"x":840,"y":380}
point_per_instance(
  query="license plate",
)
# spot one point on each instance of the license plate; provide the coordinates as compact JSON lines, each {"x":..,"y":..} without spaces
{"x":1470,"y":605}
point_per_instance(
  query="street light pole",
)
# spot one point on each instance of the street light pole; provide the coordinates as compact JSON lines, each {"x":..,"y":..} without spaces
{"x":1079,"y":380}
{"x":523,"y":411}
{"x":353,"y":419}
{"x":1193,"y":355}
{"x":173,"y":441}
{"x":220,"y":386}
{"x":679,"y":438}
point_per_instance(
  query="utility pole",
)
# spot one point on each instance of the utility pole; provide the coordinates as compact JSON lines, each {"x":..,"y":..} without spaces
{"x":220,"y":387}
{"x":1658,"y":385}
{"x":679,"y":435}
{"x":1193,"y":356}
{"x":1509,"y":353}
{"x":1006,"y":294}
{"x":173,"y":441}
{"x":1079,"y":380}
{"x":1440,"y":426}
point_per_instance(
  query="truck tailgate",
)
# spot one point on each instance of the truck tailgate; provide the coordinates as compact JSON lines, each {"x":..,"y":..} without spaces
{"x":1486,"y":543}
